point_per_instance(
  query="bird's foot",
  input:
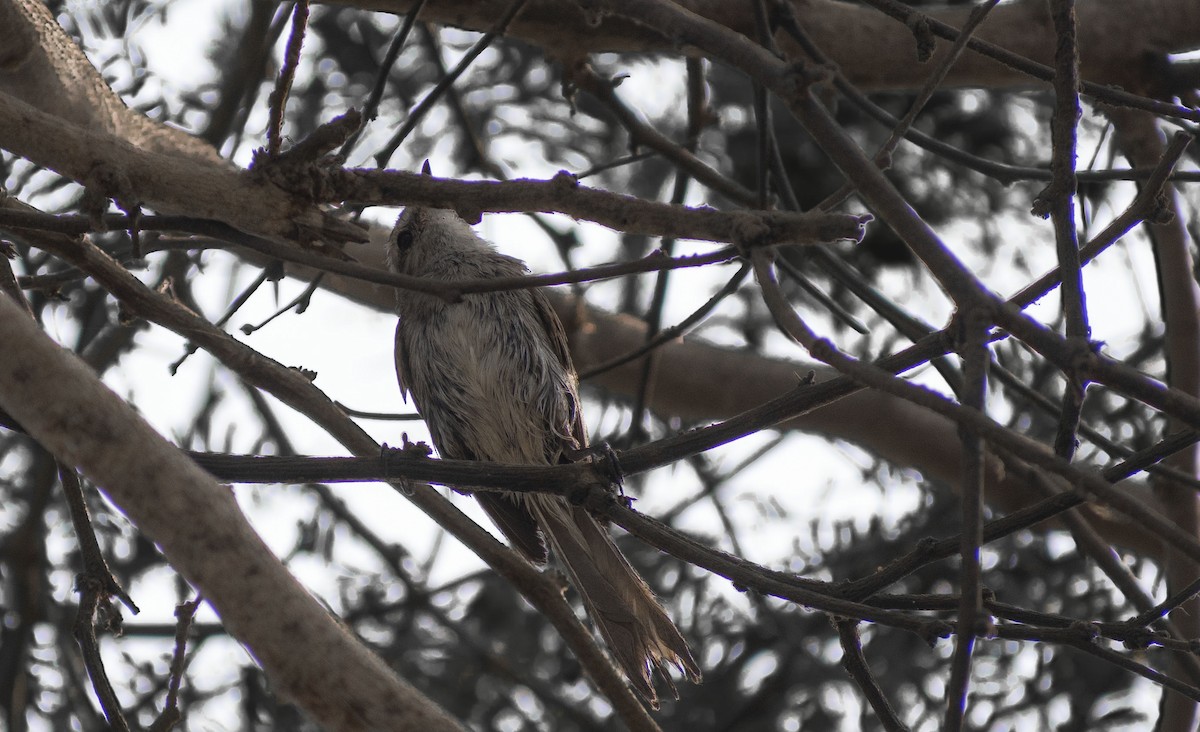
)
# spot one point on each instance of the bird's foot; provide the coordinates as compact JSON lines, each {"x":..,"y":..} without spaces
{"x":602,"y":455}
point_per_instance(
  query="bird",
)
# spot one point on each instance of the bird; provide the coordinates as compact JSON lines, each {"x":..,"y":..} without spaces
{"x":492,"y":376}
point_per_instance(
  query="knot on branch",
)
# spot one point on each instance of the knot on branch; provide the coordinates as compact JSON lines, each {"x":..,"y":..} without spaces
{"x":104,"y":182}
{"x":311,"y":173}
{"x":1080,"y":353}
{"x":750,"y":232}
{"x":923,"y":35}
{"x":1086,"y":630}
{"x":1162,"y":212}
{"x":802,"y":77}
{"x":564,"y":181}
{"x":1054,"y":195}
{"x":304,"y":168}
{"x":935,"y":630}
{"x":1138,"y":638}
{"x":968,"y":325}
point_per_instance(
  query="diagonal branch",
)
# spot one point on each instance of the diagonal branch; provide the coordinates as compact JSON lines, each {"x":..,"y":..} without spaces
{"x":202,"y":531}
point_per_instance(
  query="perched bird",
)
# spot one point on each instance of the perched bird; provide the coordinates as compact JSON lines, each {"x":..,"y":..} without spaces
{"x":493,"y":379}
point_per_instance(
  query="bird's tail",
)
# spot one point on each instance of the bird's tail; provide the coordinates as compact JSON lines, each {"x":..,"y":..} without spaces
{"x":634,"y":625}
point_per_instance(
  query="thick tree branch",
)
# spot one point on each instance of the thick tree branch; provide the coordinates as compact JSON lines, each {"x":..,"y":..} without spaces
{"x":202,"y":531}
{"x":874,"y":51}
{"x":116,"y":168}
{"x":296,"y":391}
{"x":1179,"y":299}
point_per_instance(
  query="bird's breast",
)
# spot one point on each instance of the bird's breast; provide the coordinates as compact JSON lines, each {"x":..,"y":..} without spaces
{"x":486,"y":380}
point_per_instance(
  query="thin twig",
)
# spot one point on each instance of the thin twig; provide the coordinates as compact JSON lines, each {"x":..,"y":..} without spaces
{"x":1078,"y":638}
{"x":1090,"y":543}
{"x":1101,"y":92}
{"x":563,"y":194}
{"x":93,"y":602}
{"x":94,"y":563}
{"x":243,"y":72}
{"x":371,"y":106}
{"x":382,"y":416}
{"x":283,"y":85}
{"x":1033,"y":452}
{"x":1160,"y":610}
{"x":417,"y":593}
{"x":185,"y":614}
{"x":855,"y":664}
{"x":974,"y":325}
{"x":299,"y":304}
{"x":675,"y":331}
{"x":1114,"y":449}
{"x":641,"y":134}
{"x":1002,"y":172}
{"x":448,"y":289}
{"x":883,"y":156}
{"x":269,"y":273}
{"x":748,"y":575}
{"x":299,"y":393}
{"x":1058,"y":201}
{"x":930,"y":550}
{"x":654,"y":317}
{"x":1143,"y":206}
{"x":838,"y":312}
{"x":419,"y":111}
{"x":96,"y":586}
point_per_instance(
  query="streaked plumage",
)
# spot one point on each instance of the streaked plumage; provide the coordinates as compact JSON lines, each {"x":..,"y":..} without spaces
{"x":493,"y":379}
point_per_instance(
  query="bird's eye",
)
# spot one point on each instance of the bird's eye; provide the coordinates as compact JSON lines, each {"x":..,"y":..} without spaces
{"x":404,"y":240}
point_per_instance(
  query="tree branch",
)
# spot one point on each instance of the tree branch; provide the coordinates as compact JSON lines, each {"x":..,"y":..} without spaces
{"x":201,"y":530}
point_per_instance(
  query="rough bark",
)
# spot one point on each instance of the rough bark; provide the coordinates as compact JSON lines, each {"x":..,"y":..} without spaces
{"x":1119,"y":40}
{"x":310,"y":657}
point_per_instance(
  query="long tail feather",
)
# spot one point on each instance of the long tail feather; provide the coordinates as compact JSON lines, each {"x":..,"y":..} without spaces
{"x":634,"y":625}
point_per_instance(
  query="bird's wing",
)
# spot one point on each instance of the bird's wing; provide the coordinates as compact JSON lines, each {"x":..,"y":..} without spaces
{"x":514,"y":520}
{"x":511,"y":516}
{"x":556,"y":335}
{"x":401,"y":354}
